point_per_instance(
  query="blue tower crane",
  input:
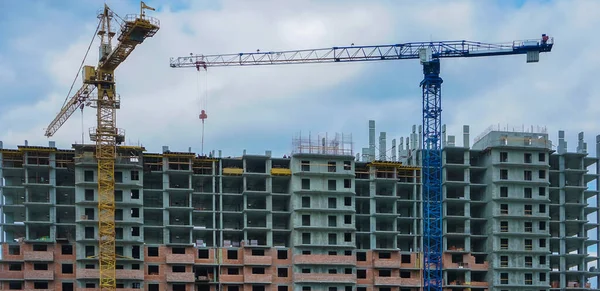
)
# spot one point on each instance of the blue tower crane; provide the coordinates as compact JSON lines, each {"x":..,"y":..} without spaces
{"x":429,"y":53}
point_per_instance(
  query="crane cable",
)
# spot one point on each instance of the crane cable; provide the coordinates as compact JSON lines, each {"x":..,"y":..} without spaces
{"x":82,"y":62}
{"x":203,"y":104}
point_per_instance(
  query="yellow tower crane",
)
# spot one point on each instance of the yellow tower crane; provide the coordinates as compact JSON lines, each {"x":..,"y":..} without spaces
{"x":134,"y":29}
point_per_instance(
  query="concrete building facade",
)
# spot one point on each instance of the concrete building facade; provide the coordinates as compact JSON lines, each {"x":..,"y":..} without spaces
{"x":516,"y":217}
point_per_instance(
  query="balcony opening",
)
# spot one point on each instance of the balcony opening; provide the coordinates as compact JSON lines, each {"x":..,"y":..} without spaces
{"x":528,"y":261}
{"x":332,"y":203}
{"x":282,"y":254}
{"x":503,"y":192}
{"x":503,"y":157}
{"x":503,"y":174}
{"x":14,"y":250}
{"x":528,"y":244}
{"x":528,"y":209}
{"x":67,"y":268}
{"x":135,"y":252}
{"x":331,"y":185}
{"x":203,"y":254}
{"x":40,"y":285}
{"x":385,"y":255}
{"x":153,"y":251}
{"x":40,"y":248}
{"x":480,"y":259}
{"x":118,"y":177}
{"x":361,"y":256}
{"x":504,"y":261}
{"x":504,"y":209}
{"x":232,"y":254}
{"x":385,"y":273}
{"x":256,"y":184}
{"x":503,"y":226}
{"x":256,"y":166}
{"x":305,"y":166}
{"x":280,"y":186}
{"x":40,"y":267}
{"x":15,"y":267}
{"x":153,"y":270}
{"x":88,"y":176}
{"x":178,"y":269}
{"x":457,"y":258}
{"x":15,"y":285}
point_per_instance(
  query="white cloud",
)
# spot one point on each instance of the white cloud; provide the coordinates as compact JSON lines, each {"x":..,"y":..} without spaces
{"x":7,"y":74}
{"x":248,"y":106}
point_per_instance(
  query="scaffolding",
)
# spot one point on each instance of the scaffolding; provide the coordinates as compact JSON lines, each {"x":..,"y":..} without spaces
{"x":339,"y":144}
{"x":65,"y":159}
{"x":203,"y":166}
{"x":12,"y":159}
{"x":396,"y":170}
{"x":153,"y":162}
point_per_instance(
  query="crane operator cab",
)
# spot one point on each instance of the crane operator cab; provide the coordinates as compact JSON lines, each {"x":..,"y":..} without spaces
{"x":544,"y":39}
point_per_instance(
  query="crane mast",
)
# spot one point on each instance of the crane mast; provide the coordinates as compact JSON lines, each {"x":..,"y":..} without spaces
{"x":431,"y":171}
{"x":133,"y":31}
{"x":429,"y":54}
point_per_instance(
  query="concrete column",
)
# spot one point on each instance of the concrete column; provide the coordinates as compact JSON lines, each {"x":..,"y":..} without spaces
{"x":419,"y":146}
{"x":562,"y":144}
{"x":371,"y":140}
{"x":365,"y":154}
{"x":581,"y":148}
{"x":393,"y":150}
{"x":562,"y":214}
{"x":444,"y":136}
{"x":413,"y":137}
{"x":382,"y":146}
{"x":466,"y":139}
{"x":400,"y":148}
{"x":451,"y":141}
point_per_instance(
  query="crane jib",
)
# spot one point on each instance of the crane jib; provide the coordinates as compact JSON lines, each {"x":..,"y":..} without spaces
{"x":440,"y":49}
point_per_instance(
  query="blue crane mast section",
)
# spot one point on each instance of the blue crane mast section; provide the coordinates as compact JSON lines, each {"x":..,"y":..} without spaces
{"x":429,"y":54}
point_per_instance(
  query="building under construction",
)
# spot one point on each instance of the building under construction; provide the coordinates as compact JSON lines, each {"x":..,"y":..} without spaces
{"x":517,"y":216}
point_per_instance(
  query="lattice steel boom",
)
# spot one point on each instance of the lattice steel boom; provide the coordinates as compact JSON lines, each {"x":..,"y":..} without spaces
{"x":134,"y":29}
{"x":429,"y":54}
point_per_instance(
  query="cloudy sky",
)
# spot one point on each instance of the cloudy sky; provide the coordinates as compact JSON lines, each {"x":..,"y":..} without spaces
{"x":262,"y":108}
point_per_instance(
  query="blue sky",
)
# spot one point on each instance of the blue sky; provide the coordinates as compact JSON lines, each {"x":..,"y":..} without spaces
{"x":260,"y":109}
